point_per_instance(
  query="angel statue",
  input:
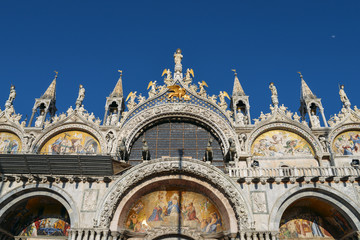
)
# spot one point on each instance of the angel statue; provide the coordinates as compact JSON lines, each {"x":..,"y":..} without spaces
{"x":202,"y":91}
{"x":343,"y":97}
{"x":153,"y":89}
{"x":223,"y":105}
{"x":131,"y":104}
{"x":81,"y":96}
{"x":189,"y":73}
{"x":167,"y":80}
{"x":274,"y":95}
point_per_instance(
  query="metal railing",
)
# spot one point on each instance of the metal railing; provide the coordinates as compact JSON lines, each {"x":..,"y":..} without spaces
{"x":294,"y":172}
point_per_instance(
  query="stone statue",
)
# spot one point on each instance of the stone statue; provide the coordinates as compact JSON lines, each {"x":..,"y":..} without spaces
{"x":141,"y":98}
{"x":114,"y":118}
{"x":239,"y":118}
{"x":296,"y":117}
{"x":153,"y":88}
{"x":189,"y":73}
{"x":70,"y":111}
{"x":131,"y":104}
{"x":324,"y":143}
{"x":223,"y":104}
{"x":315,"y":120}
{"x":242,"y":139}
{"x":97,"y":122}
{"x":209,"y":152}
{"x":178,"y":57}
{"x":213,"y":98}
{"x":343,"y":97}
{"x":40,"y":119}
{"x":122,"y":149}
{"x":108,"y":120}
{"x":202,"y":91}
{"x":145,"y":151}
{"x":11,"y":98}
{"x":232,"y":150}
{"x":110,"y":138}
{"x":274,"y":94}
{"x":168,"y":79}
{"x":29,"y":139}
{"x":91,"y":117}
{"x":81,"y":96}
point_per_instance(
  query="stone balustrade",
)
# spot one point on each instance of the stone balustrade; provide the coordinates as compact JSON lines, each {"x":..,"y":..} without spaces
{"x":105,"y":234}
{"x":299,"y":174}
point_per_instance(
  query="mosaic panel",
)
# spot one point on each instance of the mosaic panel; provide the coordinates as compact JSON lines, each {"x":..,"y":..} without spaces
{"x":47,"y":227}
{"x":278,"y":143}
{"x":174,"y":209}
{"x":313,"y":219}
{"x":347,"y":143}
{"x":9,"y":143}
{"x":71,"y":142}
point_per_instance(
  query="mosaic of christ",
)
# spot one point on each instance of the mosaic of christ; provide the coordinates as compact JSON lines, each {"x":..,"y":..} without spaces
{"x":174,"y":208}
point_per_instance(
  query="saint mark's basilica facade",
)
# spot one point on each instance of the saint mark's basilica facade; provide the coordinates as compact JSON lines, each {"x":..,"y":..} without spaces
{"x":179,"y":164}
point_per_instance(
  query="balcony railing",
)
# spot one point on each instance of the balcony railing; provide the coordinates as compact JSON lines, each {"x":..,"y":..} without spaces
{"x":294,"y":172}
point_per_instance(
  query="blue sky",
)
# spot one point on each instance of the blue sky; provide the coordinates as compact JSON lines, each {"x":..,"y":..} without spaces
{"x":266,"y":41}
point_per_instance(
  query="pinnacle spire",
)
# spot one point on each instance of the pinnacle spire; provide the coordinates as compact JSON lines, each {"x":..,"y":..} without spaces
{"x":305,"y":90}
{"x":50,"y":92}
{"x":118,"y":90}
{"x":237,"y":90}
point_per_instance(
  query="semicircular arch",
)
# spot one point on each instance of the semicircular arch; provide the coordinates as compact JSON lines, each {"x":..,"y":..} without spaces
{"x":42,"y":140}
{"x":328,"y":194}
{"x":13,"y":131}
{"x":307,"y":135}
{"x":143,"y":173}
{"x":340,"y":130}
{"x":222,"y":129}
{"x":35,"y":190}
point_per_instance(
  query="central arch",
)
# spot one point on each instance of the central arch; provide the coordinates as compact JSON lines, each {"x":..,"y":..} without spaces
{"x":198,"y":176}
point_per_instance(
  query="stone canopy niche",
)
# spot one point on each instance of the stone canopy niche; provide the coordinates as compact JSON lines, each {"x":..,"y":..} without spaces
{"x":174,"y":208}
{"x":71,"y":142}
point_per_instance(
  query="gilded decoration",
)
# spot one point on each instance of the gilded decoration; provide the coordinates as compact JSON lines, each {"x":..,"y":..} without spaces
{"x":71,"y":142}
{"x":279,"y":143}
{"x":175,"y":208}
{"x":347,"y":143}
{"x":9,"y":143}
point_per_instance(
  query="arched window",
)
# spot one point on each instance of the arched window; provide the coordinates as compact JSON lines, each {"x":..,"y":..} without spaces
{"x":177,"y":138}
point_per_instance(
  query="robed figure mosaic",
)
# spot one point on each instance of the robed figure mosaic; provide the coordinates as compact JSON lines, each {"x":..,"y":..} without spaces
{"x":174,"y":209}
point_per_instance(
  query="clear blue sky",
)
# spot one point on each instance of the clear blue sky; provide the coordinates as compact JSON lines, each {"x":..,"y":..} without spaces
{"x":266,"y":41}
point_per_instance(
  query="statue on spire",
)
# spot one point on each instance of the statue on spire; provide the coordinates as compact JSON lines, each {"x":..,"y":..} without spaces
{"x":12,"y":96}
{"x":81,"y":96}
{"x":274,"y":95}
{"x":178,"y":67}
{"x":178,"y":57}
{"x":343,"y":97}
